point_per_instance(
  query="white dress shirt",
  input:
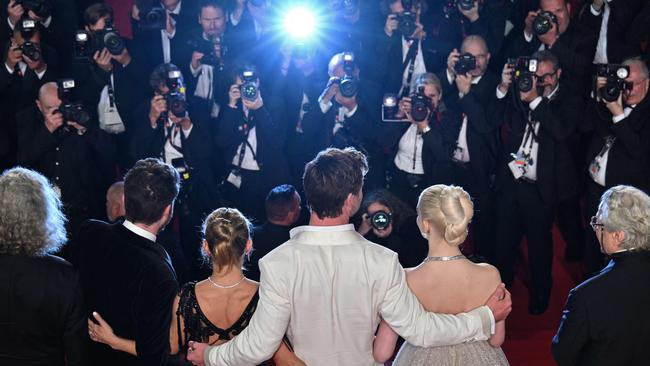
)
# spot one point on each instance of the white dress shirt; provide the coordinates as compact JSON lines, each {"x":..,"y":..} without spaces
{"x":170,"y":151}
{"x":23,"y":69}
{"x":166,"y":43}
{"x":461,"y":153}
{"x":409,"y":152}
{"x":250,"y":150}
{"x":327,"y":289}
{"x":601,"y":47}
{"x":139,"y":231}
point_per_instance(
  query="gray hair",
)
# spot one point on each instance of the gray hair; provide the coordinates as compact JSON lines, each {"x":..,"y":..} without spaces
{"x":642,"y":64}
{"x":428,"y":78}
{"x":627,"y":209}
{"x":31,"y":221}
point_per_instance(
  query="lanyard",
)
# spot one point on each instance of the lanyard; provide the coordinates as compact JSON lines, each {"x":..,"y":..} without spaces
{"x":246,"y":127}
{"x":410,"y":62}
{"x":111,"y":92}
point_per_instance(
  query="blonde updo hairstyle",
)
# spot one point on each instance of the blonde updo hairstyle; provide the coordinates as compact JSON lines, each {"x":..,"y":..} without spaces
{"x":226,"y":231}
{"x":448,"y":209}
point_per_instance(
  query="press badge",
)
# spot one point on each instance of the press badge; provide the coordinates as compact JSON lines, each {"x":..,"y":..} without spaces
{"x":234,"y":179}
{"x":519,"y":165}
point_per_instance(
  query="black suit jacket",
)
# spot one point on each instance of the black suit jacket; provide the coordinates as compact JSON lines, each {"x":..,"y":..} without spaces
{"x":266,"y":237}
{"x":482,"y":134}
{"x":556,"y":174}
{"x":604,"y":322}
{"x":390,"y":61}
{"x":131,"y":283}
{"x":629,"y":156}
{"x":42,"y":313}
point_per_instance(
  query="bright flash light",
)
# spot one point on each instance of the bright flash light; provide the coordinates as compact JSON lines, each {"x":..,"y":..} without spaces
{"x":299,"y":23}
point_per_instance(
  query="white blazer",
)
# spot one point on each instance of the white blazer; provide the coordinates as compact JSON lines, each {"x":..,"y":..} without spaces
{"x":327,"y":288}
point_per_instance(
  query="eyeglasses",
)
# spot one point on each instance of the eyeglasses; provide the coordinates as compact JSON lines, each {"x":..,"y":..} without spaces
{"x":595,"y":224}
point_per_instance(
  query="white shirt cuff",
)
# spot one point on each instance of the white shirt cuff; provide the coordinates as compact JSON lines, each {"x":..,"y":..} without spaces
{"x":40,"y":74}
{"x":450,"y":77}
{"x":500,"y":94}
{"x":46,"y":23}
{"x":535,"y":103}
{"x":527,"y":37}
{"x":324,"y":107}
{"x":594,"y":11}
{"x":619,"y":118}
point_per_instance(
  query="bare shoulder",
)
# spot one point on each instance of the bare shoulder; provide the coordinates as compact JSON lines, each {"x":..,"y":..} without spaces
{"x":489,"y":272}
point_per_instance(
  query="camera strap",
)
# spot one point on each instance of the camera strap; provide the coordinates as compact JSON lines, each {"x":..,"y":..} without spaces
{"x":111,"y":92}
{"x":246,"y":127}
{"x":172,"y":132}
{"x":409,"y":62}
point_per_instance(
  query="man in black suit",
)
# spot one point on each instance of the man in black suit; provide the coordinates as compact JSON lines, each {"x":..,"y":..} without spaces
{"x":605,"y":321}
{"x":475,"y":152}
{"x":535,"y":171}
{"x":619,"y":151}
{"x":572,"y":42}
{"x":126,"y":276}
{"x":282,"y":211}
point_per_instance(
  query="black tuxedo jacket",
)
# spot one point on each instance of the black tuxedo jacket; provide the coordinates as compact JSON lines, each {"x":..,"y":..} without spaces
{"x":629,"y":156}
{"x":556,"y":174}
{"x":482,"y":124}
{"x":42,"y":313}
{"x":604,"y":321}
{"x":266,"y":237}
{"x":129,"y":280}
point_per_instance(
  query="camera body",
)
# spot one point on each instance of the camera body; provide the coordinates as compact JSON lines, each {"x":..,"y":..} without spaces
{"x":466,"y":63}
{"x":616,"y":75}
{"x":380,"y":220}
{"x":71,"y":111}
{"x":543,"y":22}
{"x":31,"y":50}
{"x":420,"y":105}
{"x":42,"y":8}
{"x":206,"y":47}
{"x":406,"y":24}
{"x":176,"y":101}
{"x":249,"y":90}
{"x":152,"y":15}
{"x":348,"y":85}
{"x":524,"y":72}
{"x":450,"y":7}
{"x":87,"y":43}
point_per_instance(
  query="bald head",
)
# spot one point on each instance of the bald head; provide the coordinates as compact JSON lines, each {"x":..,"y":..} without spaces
{"x":48,"y":99}
{"x":476,"y":46}
{"x":115,"y":201}
{"x":48,"y":89}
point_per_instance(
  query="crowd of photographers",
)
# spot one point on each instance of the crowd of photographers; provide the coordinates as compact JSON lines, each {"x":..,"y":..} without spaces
{"x":534,"y":107}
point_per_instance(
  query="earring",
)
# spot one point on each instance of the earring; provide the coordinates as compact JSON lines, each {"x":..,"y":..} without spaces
{"x":424,"y":235}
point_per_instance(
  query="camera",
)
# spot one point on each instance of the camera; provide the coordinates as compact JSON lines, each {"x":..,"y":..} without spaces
{"x":380,"y":220}
{"x":543,"y":22}
{"x":466,"y":63}
{"x":616,"y":75}
{"x":71,"y":111}
{"x":207,"y":48}
{"x":152,"y":15}
{"x":450,"y":7}
{"x":87,"y":43}
{"x":348,"y":84}
{"x":524,"y":72}
{"x":28,"y":27}
{"x":176,"y":102}
{"x":407,"y":24}
{"x":31,"y":50}
{"x":420,"y":105}
{"x":42,"y":8}
{"x":248,"y":89}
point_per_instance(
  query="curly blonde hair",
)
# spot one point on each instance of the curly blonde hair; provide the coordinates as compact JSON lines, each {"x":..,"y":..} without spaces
{"x":31,"y":221}
{"x":449,"y":209}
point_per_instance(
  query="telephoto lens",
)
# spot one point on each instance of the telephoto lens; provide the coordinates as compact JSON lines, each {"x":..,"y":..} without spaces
{"x":543,"y":22}
{"x":420,"y":105}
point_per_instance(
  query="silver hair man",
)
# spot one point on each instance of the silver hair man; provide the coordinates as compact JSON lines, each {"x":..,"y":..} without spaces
{"x":31,"y":221}
{"x":627,"y":209}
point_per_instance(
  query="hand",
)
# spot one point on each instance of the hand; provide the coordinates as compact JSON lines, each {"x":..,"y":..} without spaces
{"x":598,"y":4}
{"x":616,"y":107}
{"x":16,"y":12}
{"x":233,"y":95}
{"x":33,"y":15}
{"x":365,"y":225}
{"x":184,"y":121}
{"x":391,"y":24}
{"x":471,"y":14}
{"x":348,"y":102}
{"x":170,"y":25}
{"x":102,"y":332}
{"x":331,"y":90}
{"x":53,"y":121}
{"x":405,"y":108}
{"x":500,"y":303}
{"x":157,"y":107}
{"x":195,"y":353}
{"x":103,"y":60}
{"x":529,"y":96}
{"x":419,"y":33}
{"x":135,"y":12}
{"x":14,"y":56}
{"x":464,"y":83}
{"x":254,"y":105}
{"x":506,"y":78}
{"x":123,"y":58}
{"x":550,"y":37}
{"x":451,"y":61}
{"x":528,"y":23}
{"x":196,"y":59}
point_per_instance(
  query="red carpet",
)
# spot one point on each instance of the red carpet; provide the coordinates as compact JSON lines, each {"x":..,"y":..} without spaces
{"x":528,"y":338}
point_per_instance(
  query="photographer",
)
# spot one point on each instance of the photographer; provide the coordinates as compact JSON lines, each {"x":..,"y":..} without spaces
{"x":66,"y":152}
{"x":341,"y":118}
{"x":168,"y":127}
{"x":388,"y":221}
{"x":252,"y":142}
{"x":619,"y":149}
{"x":536,"y":169}
{"x":469,"y":90}
{"x":551,"y":27}
{"x":422,"y":148}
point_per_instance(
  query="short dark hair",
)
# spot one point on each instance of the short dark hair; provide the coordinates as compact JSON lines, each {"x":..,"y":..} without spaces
{"x":211,"y":4}
{"x":149,"y":187}
{"x":95,"y":12}
{"x":547,"y":56}
{"x":331,"y":177}
{"x":279,"y":202}
{"x":160,"y":74}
